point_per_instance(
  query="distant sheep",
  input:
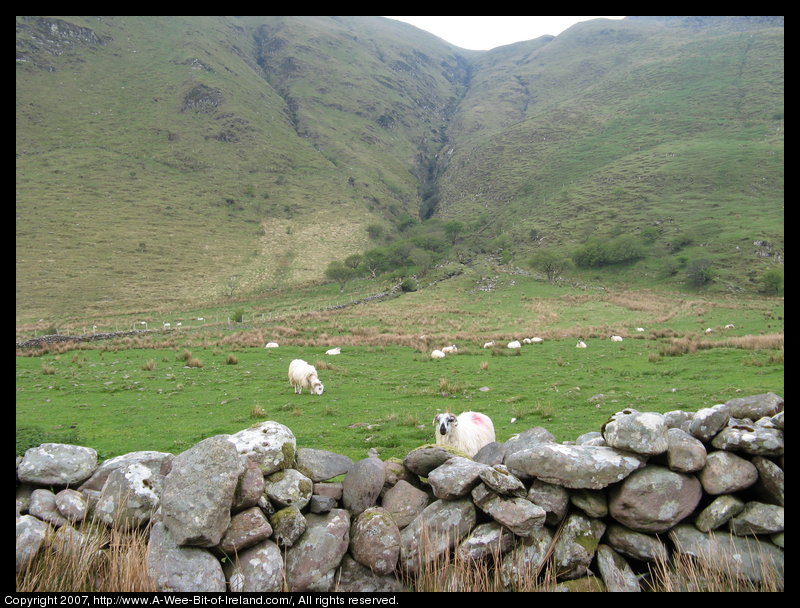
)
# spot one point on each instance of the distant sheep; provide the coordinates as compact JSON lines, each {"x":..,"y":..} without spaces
{"x":303,"y":375}
{"x":449,"y":350}
{"x":271,"y":345}
{"x":709,"y":330}
{"x":334,"y":351}
{"x":488,"y":344}
{"x":616,"y":338}
{"x":536,"y":340}
{"x":640,"y":329}
{"x":437,"y":354}
{"x":580,"y":344}
{"x":468,"y":432}
{"x":526,"y":340}
{"x":514,"y":344}
{"x":730,"y":326}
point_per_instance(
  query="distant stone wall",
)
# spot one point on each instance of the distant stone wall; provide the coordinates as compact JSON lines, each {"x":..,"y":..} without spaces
{"x":253,"y":512}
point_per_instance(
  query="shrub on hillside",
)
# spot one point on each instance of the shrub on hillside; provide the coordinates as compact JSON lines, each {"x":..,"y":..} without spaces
{"x":699,"y":272}
{"x":599,"y":252}
{"x":772,"y":281}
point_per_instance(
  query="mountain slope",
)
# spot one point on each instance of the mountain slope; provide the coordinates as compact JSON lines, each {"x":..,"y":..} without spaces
{"x":615,"y":127}
{"x":168,"y":161}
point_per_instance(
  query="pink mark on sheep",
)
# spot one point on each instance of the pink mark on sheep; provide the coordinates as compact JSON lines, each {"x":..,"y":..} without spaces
{"x":478,"y":419}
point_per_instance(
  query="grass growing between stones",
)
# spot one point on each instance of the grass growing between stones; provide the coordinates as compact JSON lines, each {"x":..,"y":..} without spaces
{"x":104,"y":560}
{"x":110,"y":560}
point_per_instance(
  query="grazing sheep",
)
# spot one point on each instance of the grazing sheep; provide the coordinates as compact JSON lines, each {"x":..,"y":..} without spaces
{"x":640,"y":329}
{"x":536,"y":340}
{"x":730,"y":326}
{"x":526,"y":340}
{"x":514,"y":344}
{"x":709,"y":330}
{"x":271,"y":345}
{"x":334,"y":351}
{"x":437,"y":354}
{"x":616,"y":338}
{"x":580,"y":344}
{"x":468,"y":432}
{"x":447,"y":350}
{"x":488,"y":344}
{"x":302,"y":375}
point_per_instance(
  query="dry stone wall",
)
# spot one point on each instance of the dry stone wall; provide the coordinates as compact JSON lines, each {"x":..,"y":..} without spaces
{"x":253,"y":511}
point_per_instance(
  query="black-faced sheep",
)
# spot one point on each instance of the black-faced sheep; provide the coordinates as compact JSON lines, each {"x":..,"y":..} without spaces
{"x":303,"y":375}
{"x":468,"y":432}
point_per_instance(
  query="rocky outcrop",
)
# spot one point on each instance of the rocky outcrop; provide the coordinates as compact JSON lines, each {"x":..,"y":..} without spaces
{"x":252,"y":512}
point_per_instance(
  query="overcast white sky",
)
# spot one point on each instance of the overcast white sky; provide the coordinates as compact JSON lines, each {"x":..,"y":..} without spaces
{"x":484,"y":33}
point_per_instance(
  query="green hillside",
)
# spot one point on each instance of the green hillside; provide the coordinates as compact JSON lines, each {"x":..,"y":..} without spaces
{"x":170,"y":161}
{"x":617,"y":127}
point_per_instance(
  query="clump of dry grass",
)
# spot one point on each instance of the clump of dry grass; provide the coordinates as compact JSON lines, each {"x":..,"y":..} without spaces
{"x":101,"y":559}
{"x":690,"y":344}
{"x":447,"y":387}
{"x":149,"y":366}
{"x":232,"y":359}
{"x":257,"y":412}
{"x":713,"y":571}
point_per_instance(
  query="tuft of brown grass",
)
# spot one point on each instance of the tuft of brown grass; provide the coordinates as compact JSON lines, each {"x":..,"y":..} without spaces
{"x":149,"y":366}
{"x":714,"y":571}
{"x":101,"y":560}
{"x":690,"y":344}
{"x":232,"y":359}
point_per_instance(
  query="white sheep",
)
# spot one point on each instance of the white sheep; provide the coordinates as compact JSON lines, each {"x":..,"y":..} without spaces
{"x":488,"y":344}
{"x":514,"y":344}
{"x":437,"y":354}
{"x":448,"y":350}
{"x":468,"y":432}
{"x":334,"y":351}
{"x":709,"y":330}
{"x":580,"y":344}
{"x":640,"y":329}
{"x":303,"y":375}
{"x":536,"y":340}
{"x":730,"y":326}
{"x":616,"y":338}
{"x":526,"y":340}
{"x":271,"y":345}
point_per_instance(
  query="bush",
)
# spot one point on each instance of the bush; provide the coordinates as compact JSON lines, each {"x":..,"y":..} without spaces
{"x":699,"y":272}
{"x":409,"y":284}
{"x":598,"y":252}
{"x":550,"y":263}
{"x":772,"y":281}
{"x":339,"y":273}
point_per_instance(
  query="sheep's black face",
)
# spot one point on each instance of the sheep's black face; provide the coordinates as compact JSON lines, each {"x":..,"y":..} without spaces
{"x":443,"y":422}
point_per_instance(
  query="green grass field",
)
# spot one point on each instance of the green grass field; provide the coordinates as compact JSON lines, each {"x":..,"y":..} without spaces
{"x":118,"y":401}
